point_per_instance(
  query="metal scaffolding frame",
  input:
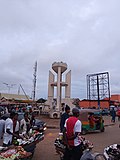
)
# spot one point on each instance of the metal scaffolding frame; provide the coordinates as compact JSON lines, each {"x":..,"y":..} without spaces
{"x":98,"y":87}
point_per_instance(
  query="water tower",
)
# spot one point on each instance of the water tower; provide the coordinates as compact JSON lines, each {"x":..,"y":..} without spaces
{"x":55,"y":103}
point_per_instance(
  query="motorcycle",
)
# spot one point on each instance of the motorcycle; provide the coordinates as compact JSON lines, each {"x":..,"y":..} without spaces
{"x":61,"y":147}
{"x":112,"y":152}
{"x":87,"y":146}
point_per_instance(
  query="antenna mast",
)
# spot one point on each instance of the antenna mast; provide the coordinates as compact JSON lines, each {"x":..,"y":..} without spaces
{"x":34,"y":81}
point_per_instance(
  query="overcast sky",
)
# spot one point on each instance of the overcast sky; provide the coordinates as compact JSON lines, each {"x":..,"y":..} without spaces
{"x":85,"y":34}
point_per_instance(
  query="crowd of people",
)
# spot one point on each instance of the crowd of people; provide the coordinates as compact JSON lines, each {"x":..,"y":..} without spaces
{"x":70,"y":126}
{"x":11,"y":127}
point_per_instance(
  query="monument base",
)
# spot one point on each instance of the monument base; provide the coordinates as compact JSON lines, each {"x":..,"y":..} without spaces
{"x":54,"y":114}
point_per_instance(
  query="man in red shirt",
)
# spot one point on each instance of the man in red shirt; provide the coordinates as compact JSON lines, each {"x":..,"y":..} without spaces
{"x":72,"y":137}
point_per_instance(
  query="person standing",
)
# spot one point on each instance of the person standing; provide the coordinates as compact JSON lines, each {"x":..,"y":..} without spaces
{"x":113,"y":114}
{"x":25,"y":124}
{"x":2,"y":124}
{"x":64,"y":116}
{"x":71,"y":135}
{"x":8,"y":132}
{"x":32,"y":120}
{"x":16,"y":125}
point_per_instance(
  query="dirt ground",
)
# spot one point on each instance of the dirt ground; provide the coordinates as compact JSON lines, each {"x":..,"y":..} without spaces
{"x":45,"y":150}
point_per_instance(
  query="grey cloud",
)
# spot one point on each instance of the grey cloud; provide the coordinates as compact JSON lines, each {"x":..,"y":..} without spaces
{"x":84,"y":34}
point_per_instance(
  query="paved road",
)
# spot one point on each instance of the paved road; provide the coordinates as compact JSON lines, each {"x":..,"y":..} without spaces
{"x":45,"y":150}
{"x":101,"y":140}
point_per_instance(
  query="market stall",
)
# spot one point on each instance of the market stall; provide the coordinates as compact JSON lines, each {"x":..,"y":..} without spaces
{"x":22,"y":148}
{"x":14,"y":153}
{"x":29,"y":145}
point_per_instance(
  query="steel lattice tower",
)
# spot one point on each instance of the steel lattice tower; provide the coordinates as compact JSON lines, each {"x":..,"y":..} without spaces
{"x":98,"y":87}
{"x":34,"y":81}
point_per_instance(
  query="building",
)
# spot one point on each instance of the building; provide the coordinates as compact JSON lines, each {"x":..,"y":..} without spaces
{"x":93,"y":104}
{"x":6,"y":99}
{"x":105,"y":103}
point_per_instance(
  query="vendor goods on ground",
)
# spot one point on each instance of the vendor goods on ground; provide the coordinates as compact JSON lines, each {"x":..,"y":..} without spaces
{"x":22,"y":148}
{"x":16,"y":152}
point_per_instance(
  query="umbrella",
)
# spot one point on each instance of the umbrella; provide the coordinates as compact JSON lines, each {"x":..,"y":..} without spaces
{"x":41,"y":100}
{"x":112,"y":106}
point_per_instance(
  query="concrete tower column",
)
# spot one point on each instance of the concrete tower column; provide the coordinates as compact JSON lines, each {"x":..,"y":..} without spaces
{"x":68,"y":86}
{"x":59,"y":76}
{"x":51,"y":88}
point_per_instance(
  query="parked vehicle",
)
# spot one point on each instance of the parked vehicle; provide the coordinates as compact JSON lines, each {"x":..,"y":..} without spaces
{"x":118,"y":113}
{"x":105,"y":112}
{"x":112,"y":152}
{"x":36,"y":111}
{"x":39,"y":124}
{"x":87,"y":127}
{"x":87,"y":146}
{"x":2,"y":110}
{"x":60,"y":147}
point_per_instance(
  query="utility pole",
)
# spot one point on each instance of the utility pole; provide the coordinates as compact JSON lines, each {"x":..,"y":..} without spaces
{"x":34,"y":82}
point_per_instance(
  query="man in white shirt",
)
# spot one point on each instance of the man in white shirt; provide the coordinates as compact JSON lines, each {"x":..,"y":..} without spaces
{"x":25,"y":124}
{"x":8,"y":133}
{"x":7,"y":137}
